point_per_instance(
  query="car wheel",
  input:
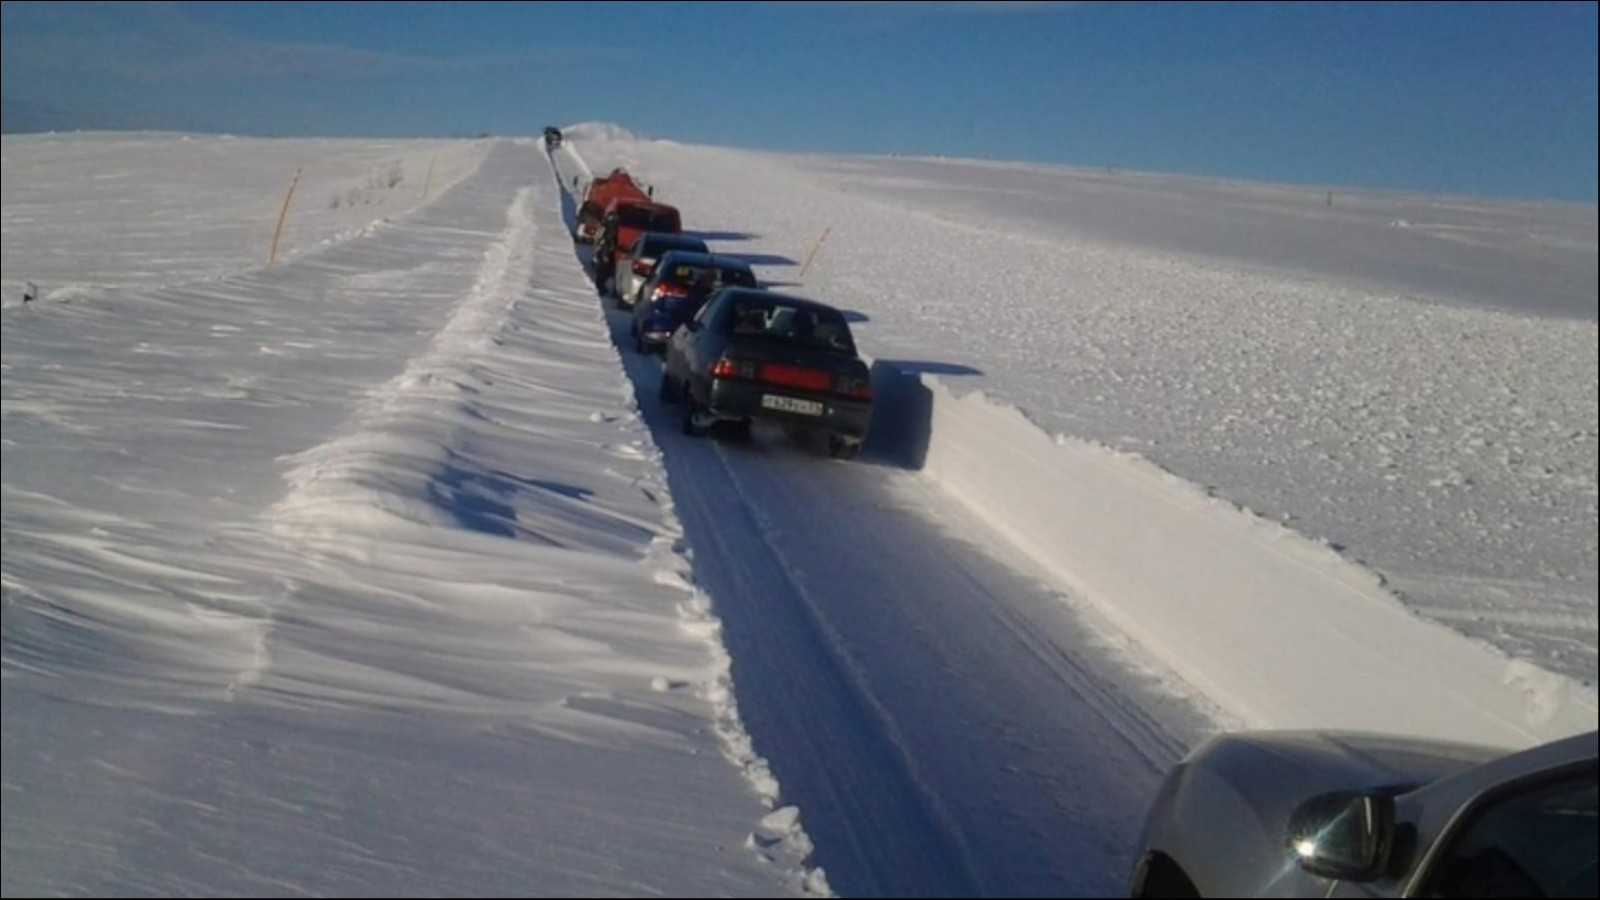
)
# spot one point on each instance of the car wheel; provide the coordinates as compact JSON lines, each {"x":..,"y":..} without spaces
{"x":697,"y":420}
{"x":689,"y":419}
{"x":843,"y":448}
{"x":668,"y":392}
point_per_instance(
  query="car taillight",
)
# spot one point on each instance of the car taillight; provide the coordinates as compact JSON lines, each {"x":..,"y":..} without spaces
{"x":854,"y":388}
{"x":733,"y":368}
{"x":643,"y":267}
{"x":796,"y":377}
{"x":668,"y":290}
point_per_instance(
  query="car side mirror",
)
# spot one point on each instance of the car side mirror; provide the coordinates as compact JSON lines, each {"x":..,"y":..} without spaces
{"x":1344,"y":835}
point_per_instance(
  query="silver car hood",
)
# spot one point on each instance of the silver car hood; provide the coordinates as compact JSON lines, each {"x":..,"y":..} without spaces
{"x":1358,"y":761}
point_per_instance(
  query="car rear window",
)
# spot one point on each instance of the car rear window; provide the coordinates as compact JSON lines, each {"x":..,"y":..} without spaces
{"x":649,"y":219}
{"x":820,"y":329}
{"x":658,"y":245}
{"x":723,"y":276}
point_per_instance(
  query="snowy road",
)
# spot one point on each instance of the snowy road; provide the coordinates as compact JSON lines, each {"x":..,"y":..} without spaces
{"x":941,"y":720}
{"x":946,"y":724}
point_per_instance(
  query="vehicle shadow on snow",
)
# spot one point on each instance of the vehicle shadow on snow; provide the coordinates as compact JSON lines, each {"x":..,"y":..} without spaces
{"x":902,"y":411}
{"x":902,"y":419}
{"x":922,"y":367}
{"x":759,"y":259}
{"x":723,"y":236}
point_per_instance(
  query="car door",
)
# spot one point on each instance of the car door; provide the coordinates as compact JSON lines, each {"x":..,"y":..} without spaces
{"x":695,"y":342}
{"x":628,"y":282}
{"x":1531,"y":836}
{"x":1523,"y":825}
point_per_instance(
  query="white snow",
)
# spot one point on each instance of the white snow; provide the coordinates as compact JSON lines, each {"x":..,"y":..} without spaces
{"x":1447,"y":446}
{"x":598,"y":131}
{"x":85,"y":212}
{"x":381,"y":570}
{"x":357,"y":574}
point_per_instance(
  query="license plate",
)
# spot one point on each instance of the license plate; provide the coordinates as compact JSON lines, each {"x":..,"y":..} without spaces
{"x":791,"y":405}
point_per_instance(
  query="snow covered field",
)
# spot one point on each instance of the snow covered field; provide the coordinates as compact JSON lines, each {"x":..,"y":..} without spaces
{"x":381,"y":570}
{"x":1435,"y":435}
{"x":264,"y":631}
{"x":141,"y":200}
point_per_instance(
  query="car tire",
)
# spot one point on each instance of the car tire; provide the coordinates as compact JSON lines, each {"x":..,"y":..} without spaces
{"x":692,"y":415}
{"x":668,"y":392}
{"x":691,"y":410}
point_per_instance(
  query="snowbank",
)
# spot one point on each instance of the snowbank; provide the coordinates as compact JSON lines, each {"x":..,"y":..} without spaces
{"x":1279,"y":630}
{"x":598,"y":131}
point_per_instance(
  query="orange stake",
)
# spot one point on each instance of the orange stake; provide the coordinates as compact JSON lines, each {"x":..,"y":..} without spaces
{"x":802,"y":276}
{"x":276,"y":232}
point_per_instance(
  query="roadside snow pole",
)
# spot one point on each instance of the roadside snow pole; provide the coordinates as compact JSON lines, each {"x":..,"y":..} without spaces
{"x":813,"y":255}
{"x":276,"y":232}
{"x":428,"y":181}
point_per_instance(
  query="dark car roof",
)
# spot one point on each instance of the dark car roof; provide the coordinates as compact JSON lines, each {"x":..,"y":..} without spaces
{"x":687,"y":243}
{"x":691,"y":258}
{"x":775,"y":298}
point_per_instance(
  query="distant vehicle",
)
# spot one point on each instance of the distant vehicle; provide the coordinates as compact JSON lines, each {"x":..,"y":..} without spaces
{"x":552,"y":137}
{"x":640,"y":262}
{"x":1318,"y":814}
{"x":624,"y":220}
{"x":752,"y":355}
{"x":681,"y":284}
{"x":598,"y":195}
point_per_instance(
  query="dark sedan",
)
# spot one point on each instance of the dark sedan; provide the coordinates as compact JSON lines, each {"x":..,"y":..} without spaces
{"x":681,"y":283}
{"x":753,"y":355}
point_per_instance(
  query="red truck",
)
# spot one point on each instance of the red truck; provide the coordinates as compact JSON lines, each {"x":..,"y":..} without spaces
{"x":619,"y":185}
{"x":621,"y":224}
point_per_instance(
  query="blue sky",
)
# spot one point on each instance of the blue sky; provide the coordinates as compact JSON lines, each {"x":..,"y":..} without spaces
{"x":1474,"y":98}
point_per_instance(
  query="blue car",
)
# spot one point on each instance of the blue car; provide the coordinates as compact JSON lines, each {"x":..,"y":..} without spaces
{"x":681,"y":283}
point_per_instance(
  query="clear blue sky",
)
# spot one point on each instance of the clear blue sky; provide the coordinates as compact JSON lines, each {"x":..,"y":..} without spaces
{"x":1459,"y":97}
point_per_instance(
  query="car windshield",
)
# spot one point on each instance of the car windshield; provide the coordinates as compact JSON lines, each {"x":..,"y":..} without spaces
{"x":813,"y":327}
{"x":648,"y":219}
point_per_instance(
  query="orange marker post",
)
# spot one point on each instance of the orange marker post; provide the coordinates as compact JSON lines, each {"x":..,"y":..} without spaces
{"x":276,"y":232}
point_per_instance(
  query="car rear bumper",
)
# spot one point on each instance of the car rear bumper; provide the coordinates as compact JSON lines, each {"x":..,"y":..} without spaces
{"x":743,"y":400}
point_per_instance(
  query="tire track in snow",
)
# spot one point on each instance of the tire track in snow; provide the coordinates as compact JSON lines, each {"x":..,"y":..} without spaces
{"x":941,"y":724}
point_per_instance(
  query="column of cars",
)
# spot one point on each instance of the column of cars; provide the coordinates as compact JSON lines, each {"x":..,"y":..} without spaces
{"x":734,"y":354}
